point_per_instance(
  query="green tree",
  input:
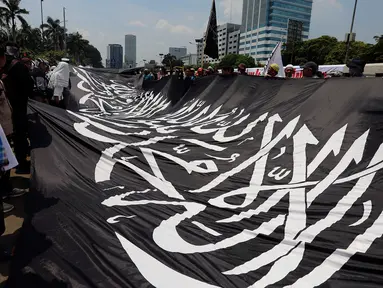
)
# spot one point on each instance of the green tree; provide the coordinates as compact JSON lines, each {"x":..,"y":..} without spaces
{"x":376,"y":51}
{"x":92,"y":57}
{"x":52,"y":56}
{"x":29,"y":38}
{"x":233,"y":60}
{"x":168,"y":60}
{"x":315,"y":50}
{"x":358,"y":49}
{"x":10,"y":13}
{"x":54,"y":33}
{"x":77,"y":45}
{"x":177,"y":63}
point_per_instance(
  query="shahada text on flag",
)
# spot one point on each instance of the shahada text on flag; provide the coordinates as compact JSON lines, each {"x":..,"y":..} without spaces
{"x":242,"y":182}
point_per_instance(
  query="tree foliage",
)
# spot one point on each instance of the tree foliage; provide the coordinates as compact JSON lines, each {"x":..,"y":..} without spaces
{"x":233,"y":60}
{"x":50,"y":44}
{"x":171,"y":61}
{"x":10,"y":13}
{"x":328,"y":50}
{"x":54,"y":33}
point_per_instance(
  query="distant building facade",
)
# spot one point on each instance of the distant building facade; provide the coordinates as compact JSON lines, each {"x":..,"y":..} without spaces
{"x":178,"y":52}
{"x":114,"y":56}
{"x":130,"y":51}
{"x":265,"y":23}
{"x":190,"y":59}
{"x":228,"y":42}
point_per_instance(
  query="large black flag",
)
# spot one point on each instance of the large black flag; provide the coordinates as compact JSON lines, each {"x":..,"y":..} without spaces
{"x":211,"y":41}
{"x":243,"y":182}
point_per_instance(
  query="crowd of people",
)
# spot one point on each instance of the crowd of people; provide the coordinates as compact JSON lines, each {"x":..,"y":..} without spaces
{"x":23,"y":78}
{"x":310,"y":70}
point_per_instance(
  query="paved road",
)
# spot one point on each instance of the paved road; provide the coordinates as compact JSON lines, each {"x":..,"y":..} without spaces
{"x":13,"y":221}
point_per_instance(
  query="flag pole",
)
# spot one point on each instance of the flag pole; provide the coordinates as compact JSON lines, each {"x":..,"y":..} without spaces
{"x":42,"y":20}
{"x":350,"y":35}
{"x":203,"y":52}
{"x":206,"y":34}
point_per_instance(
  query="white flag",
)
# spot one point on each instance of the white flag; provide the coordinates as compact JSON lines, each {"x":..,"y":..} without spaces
{"x":276,"y":57}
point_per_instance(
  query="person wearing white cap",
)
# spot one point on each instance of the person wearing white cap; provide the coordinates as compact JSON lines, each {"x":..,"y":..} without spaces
{"x":289,"y":71}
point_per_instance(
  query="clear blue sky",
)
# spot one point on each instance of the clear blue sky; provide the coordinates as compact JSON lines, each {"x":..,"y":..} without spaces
{"x":159,"y":24}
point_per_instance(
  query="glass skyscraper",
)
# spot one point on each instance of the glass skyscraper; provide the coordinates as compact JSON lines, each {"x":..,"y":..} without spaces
{"x":114,"y":56}
{"x":265,"y":23}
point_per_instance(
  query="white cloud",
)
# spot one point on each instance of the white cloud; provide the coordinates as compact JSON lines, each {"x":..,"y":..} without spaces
{"x":164,"y":24}
{"x":137,"y":23}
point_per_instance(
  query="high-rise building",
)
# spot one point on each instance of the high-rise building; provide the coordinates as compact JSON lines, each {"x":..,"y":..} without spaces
{"x":228,"y":42}
{"x":130,"y":51}
{"x":114,"y":56}
{"x":178,"y":52}
{"x":190,"y":59}
{"x":266,"y":22}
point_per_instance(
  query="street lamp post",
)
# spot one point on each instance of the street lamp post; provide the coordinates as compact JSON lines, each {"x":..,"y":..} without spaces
{"x":349,"y":35}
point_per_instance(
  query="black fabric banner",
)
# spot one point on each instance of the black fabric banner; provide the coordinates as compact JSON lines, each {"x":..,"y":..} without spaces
{"x":211,"y":41}
{"x":242,"y":182}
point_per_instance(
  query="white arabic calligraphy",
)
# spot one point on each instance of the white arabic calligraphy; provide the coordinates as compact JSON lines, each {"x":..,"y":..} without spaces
{"x":196,"y":116}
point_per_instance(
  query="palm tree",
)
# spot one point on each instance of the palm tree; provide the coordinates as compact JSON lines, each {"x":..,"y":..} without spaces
{"x":55,"y":32}
{"x":12,"y":12}
{"x":77,"y":45}
{"x":29,"y":38}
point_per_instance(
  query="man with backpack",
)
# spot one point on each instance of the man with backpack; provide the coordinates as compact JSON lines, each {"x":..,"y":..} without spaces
{"x":19,"y":87}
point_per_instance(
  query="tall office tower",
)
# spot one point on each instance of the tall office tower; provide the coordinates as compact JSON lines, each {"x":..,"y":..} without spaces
{"x":266,"y":22}
{"x":130,"y":51}
{"x":114,"y":56}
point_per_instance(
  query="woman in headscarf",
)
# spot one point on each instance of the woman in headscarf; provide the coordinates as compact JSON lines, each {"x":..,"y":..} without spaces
{"x":59,"y":82}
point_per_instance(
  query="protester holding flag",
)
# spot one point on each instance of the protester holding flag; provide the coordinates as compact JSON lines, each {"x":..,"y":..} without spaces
{"x":273,"y":70}
{"x":275,"y":59}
